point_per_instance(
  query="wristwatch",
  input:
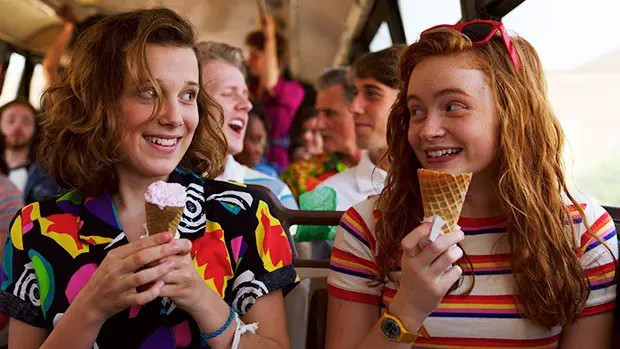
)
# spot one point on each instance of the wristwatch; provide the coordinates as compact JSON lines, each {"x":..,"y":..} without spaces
{"x":394,"y":330}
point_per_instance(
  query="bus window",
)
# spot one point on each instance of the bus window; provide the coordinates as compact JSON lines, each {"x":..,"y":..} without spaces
{"x":580,"y":56}
{"x":12,"y":78}
{"x":418,"y":15}
{"x":382,"y":39}
{"x":37,"y":85}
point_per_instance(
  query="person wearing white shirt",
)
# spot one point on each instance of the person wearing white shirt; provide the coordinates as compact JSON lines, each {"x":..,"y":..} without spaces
{"x":376,"y":88}
{"x":357,"y":183}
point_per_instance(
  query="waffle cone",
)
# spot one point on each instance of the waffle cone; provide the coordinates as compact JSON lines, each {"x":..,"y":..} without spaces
{"x":443,"y":194}
{"x":158,"y":220}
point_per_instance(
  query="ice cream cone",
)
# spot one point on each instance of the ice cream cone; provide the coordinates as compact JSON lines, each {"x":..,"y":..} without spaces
{"x":164,"y":205}
{"x":162,"y":220}
{"x":443,"y":194}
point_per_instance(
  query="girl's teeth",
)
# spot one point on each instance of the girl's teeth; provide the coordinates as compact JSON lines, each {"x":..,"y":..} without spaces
{"x":237,"y":123}
{"x":166,"y":142}
{"x":442,"y":152}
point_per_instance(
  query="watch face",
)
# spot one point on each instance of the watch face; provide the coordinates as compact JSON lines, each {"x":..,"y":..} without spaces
{"x":390,"y":328}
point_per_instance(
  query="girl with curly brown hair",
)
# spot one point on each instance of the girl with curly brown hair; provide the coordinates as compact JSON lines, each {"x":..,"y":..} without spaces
{"x":131,"y":110}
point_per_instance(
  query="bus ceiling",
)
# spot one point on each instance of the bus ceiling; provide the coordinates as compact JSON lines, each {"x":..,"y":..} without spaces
{"x":321,"y":33}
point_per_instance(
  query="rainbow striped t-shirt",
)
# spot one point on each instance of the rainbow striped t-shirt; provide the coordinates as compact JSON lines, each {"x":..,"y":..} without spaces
{"x":488,"y":317}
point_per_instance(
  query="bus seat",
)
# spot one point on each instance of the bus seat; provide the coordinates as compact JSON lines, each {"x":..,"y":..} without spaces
{"x":298,"y":310}
{"x":317,"y":323}
{"x":305,"y":313}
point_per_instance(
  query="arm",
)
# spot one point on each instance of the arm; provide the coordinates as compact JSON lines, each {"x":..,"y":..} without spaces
{"x":271,"y":71}
{"x":78,"y":326}
{"x":427,"y":275}
{"x":52,"y":56}
{"x":343,"y":333}
{"x":111,"y":289}
{"x":25,"y":336}
{"x":189,"y":292}
{"x":602,"y":324}
{"x":257,"y":291}
{"x":268,"y":312}
{"x":599,"y":264}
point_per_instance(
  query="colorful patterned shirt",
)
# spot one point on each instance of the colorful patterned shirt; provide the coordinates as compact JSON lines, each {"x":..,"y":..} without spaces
{"x":305,"y":175}
{"x":55,"y":246}
{"x":488,"y":317}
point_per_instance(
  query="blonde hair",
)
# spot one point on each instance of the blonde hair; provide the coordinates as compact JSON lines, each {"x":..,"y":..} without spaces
{"x":550,"y":282}
{"x":219,"y":51}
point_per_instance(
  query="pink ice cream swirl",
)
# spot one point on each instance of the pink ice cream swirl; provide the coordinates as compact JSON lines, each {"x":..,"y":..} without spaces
{"x":164,"y":194}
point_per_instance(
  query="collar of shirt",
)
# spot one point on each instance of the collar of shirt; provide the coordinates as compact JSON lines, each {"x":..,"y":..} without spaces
{"x":367,"y":176}
{"x":98,"y":223}
{"x":233,"y":171}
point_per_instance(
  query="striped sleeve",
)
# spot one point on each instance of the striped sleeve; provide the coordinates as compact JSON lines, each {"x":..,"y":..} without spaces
{"x":287,"y":198}
{"x":353,"y":273}
{"x":599,"y":260}
{"x":279,"y":188}
{"x":10,"y":203}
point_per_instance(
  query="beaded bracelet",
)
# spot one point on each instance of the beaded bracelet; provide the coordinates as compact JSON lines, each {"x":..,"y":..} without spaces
{"x":206,"y":336}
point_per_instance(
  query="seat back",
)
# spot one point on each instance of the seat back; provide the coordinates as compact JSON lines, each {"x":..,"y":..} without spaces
{"x":298,"y":311}
{"x":317,"y":320}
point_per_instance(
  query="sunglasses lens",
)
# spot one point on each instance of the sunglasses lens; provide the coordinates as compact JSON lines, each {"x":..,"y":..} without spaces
{"x":477,"y":31}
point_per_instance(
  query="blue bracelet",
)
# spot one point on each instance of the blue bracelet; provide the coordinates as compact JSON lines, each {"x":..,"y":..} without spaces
{"x":206,"y":336}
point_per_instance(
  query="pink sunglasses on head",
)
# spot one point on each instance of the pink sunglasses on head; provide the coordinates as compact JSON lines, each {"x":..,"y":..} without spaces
{"x":480,"y":32}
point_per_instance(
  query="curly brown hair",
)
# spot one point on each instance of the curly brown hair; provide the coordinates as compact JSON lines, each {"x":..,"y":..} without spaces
{"x":81,"y":123}
{"x":550,"y":282}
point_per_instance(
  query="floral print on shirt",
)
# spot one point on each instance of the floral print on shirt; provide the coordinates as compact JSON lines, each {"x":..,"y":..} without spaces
{"x":305,"y":175}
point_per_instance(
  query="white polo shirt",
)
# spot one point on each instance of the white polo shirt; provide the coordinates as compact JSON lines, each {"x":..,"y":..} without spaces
{"x":357,"y":183}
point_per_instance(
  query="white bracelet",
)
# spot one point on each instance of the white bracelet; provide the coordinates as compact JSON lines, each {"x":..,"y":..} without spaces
{"x":241,"y":329}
